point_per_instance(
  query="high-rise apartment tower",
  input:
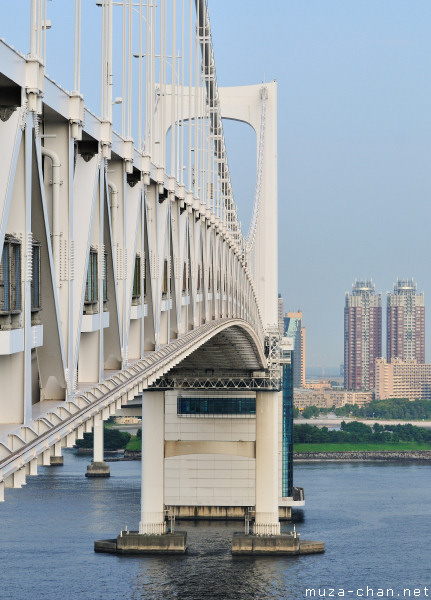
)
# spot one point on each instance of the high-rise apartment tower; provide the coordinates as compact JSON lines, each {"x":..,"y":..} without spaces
{"x":294,"y":329}
{"x":280,"y":315}
{"x":405,"y":322}
{"x":362,"y":335}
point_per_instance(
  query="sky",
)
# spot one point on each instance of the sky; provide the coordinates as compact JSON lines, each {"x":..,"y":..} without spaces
{"x":354,"y":140}
{"x":354,"y":145}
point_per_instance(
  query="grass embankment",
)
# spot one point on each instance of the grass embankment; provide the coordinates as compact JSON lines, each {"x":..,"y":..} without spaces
{"x":134,"y":444}
{"x":361,"y":447}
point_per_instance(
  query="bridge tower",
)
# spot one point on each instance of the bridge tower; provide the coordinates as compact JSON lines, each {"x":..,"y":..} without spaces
{"x":189,"y":392}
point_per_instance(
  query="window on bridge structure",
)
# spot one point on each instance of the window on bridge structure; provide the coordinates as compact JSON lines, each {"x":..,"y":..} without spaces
{"x":287,"y":424}
{"x":216,"y":406}
{"x":209,"y":279}
{"x":136,"y":294}
{"x":105,"y":279}
{"x":144,"y":267}
{"x":185,"y":279}
{"x":10,"y":277}
{"x":167,"y":280}
{"x":36,"y":300}
{"x":199,"y":282}
{"x":91,"y":287}
{"x":218,"y":281}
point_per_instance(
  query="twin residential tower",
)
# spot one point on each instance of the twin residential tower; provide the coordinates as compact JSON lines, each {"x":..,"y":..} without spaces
{"x":405,"y":337}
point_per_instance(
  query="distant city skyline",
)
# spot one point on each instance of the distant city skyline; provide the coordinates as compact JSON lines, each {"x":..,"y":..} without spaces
{"x":364,"y":333}
{"x":413,"y":331}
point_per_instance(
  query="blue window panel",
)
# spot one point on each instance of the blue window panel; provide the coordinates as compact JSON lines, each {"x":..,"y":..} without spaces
{"x":216,"y":406}
{"x":16,"y":284}
{"x":4,"y":281}
{"x":287,"y":431}
{"x":35,"y":282}
{"x":91,"y":287}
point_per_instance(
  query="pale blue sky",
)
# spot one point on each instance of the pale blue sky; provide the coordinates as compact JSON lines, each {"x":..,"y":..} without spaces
{"x":354,"y":127}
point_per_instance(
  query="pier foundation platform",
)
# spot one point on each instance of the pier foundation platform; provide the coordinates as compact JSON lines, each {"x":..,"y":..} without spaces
{"x":283,"y":544}
{"x":132,"y":542}
{"x":98,"y":469}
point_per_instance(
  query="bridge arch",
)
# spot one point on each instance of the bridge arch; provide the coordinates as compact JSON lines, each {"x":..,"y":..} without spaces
{"x":221,"y":345}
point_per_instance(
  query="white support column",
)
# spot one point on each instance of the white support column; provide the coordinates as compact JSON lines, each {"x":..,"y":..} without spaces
{"x":266,"y":520}
{"x":19,"y":478}
{"x":33,"y":467}
{"x":98,"y":439}
{"x":56,"y":457}
{"x":46,"y":458}
{"x":153,"y":449}
{"x":98,"y":468}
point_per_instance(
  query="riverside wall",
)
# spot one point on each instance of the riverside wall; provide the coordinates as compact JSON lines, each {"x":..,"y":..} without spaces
{"x":423,"y":455}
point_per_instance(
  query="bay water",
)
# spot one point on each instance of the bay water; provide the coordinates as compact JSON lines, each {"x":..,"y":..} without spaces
{"x":374,"y":517}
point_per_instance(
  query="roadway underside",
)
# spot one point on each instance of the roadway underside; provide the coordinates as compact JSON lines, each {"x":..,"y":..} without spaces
{"x":225,"y":352}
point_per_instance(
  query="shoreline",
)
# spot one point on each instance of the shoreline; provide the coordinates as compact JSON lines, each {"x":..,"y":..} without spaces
{"x":372,"y":455}
{"x":346,"y":456}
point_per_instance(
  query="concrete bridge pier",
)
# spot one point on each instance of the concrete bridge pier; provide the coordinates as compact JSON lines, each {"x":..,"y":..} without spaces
{"x":152,"y":537}
{"x":56,"y":459}
{"x":98,"y":467}
{"x":152,"y":464}
{"x":266,"y":515}
{"x":266,"y":538}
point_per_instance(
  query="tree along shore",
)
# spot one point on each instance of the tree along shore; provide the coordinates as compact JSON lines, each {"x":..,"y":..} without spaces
{"x":113,"y":439}
{"x":358,"y":441}
{"x":400,"y":409}
{"x":354,"y":440}
{"x":356,"y":431}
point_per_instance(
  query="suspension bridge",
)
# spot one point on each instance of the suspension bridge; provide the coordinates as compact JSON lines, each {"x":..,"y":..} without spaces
{"x":125,"y":275}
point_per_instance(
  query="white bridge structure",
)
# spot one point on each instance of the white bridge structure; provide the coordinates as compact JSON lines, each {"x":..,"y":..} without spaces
{"x":124,"y":270}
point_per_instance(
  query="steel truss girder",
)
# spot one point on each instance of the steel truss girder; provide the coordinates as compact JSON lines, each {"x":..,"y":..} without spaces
{"x":252,"y":384}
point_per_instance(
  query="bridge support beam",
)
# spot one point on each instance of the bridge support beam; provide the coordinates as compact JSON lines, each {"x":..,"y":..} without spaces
{"x":151,"y":537}
{"x":56,"y":459}
{"x":153,"y":448}
{"x":266,"y":519}
{"x":266,"y":538}
{"x":98,"y":467}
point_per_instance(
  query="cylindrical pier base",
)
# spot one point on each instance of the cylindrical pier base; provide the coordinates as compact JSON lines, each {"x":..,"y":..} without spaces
{"x":98,"y":469}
